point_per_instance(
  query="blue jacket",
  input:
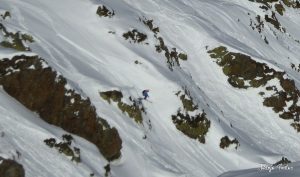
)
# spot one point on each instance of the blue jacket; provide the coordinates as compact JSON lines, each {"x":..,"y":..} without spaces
{"x":145,"y":93}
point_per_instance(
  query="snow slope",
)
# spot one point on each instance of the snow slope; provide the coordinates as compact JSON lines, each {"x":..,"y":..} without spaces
{"x":22,"y":136}
{"x":75,"y":41}
{"x":292,"y":170}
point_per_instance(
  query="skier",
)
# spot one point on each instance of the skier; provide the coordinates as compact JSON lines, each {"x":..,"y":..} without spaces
{"x":145,"y":94}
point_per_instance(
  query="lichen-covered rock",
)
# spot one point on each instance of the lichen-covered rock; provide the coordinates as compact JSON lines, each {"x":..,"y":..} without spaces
{"x":271,"y":10}
{"x":278,"y":4}
{"x":65,"y":147}
{"x":103,"y":11}
{"x":274,"y":21}
{"x":29,"y":80}
{"x":225,"y":142}
{"x":279,"y":8}
{"x":17,"y":41}
{"x":114,"y":95}
{"x":135,"y":36}
{"x":187,"y":101}
{"x":150,"y":25}
{"x":244,"y":72}
{"x":296,"y":126}
{"x":171,"y":54}
{"x":133,"y":110}
{"x":10,"y":168}
{"x":195,"y":127}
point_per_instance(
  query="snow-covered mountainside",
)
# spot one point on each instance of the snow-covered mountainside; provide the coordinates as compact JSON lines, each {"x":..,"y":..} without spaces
{"x":222,"y":75}
{"x":267,"y":171}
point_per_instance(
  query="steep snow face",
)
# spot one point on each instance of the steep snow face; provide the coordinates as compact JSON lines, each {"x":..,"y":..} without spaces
{"x":291,"y":170}
{"x":22,"y":136}
{"x":93,"y":55}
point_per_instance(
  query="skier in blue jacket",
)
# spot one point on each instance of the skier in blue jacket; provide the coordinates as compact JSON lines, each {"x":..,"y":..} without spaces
{"x":145,"y":94}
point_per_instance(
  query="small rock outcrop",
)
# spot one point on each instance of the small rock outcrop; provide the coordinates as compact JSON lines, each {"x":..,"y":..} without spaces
{"x":189,"y":120}
{"x":225,"y":142}
{"x":103,"y":11}
{"x":10,"y":168}
{"x":133,"y":110}
{"x":18,"y":41}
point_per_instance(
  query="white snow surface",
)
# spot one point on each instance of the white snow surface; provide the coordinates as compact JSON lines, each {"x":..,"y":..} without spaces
{"x":75,"y":42}
{"x":264,"y":170}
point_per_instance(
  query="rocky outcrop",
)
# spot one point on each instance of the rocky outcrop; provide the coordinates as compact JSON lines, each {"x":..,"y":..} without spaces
{"x":190,"y":121}
{"x":135,"y":36}
{"x":133,"y":110}
{"x":277,"y":4}
{"x":10,"y":168}
{"x":244,"y":72}
{"x":65,"y":147}
{"x":5,"y":14}
{"x":17,"y":40}
{"x":225,"y":142}
{"x":271,"y":10}
{"x":33,"y":83}
{"x":171,"y":54}
{"x":103,"y":11}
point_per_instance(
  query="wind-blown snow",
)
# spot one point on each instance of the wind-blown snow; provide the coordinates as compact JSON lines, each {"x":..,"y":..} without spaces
{"x":75,"y":41}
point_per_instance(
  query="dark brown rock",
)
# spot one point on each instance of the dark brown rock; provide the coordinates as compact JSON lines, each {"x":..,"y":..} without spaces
{"x":41,"y":90}
{"x":10,"y":168}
